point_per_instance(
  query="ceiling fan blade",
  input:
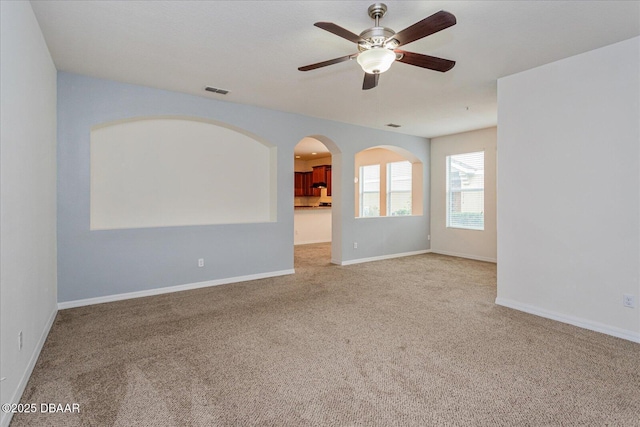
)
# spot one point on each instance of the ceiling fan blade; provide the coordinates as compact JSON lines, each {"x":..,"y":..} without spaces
{"x":329,"y":62}
{"x":339,"y":31}
{"x":430,"y":25}
{"x":425,"y":61}
{"x":370,"y":81}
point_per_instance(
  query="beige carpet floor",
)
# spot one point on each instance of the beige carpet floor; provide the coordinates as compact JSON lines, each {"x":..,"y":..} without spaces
{"x":414,"y":341}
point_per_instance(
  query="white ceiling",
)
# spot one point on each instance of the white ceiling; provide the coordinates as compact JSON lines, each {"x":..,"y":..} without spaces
{"x":253,"y":49}
{"x":310,"y":149}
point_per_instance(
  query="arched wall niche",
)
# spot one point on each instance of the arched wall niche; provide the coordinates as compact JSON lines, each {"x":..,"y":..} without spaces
{"x":166,"y":171}
{"x":383,"y":155}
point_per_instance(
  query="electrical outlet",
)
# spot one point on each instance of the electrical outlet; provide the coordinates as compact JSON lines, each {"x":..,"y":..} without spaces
{"x":429,"y":237}
{"x":355,"y":245}
{"x":200,"y":262}
{"x":629,"y":300}
{"x":20,"y":340}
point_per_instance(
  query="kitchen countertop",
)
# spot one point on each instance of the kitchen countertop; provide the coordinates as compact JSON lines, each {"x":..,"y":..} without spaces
{"x":311,"y":207}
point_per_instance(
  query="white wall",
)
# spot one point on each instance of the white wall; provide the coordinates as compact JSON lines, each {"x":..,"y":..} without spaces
{"x":307,"y":165}
{"x":174,"y":171}
{"x":569,"y":189}
{"x":475,"y":244}
{"x":28,"y":196}
{"x":311,"y":225}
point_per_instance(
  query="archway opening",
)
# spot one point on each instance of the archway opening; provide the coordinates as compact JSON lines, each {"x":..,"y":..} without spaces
{"x":317,"y":198}
{"x":388,"y":182}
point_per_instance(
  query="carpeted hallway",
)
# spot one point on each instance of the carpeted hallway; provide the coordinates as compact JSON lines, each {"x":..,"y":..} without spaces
{"x":414,"y":341}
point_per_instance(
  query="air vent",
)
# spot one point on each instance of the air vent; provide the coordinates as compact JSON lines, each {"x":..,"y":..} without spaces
{"x":393,"y":125}
{"x":216,"y":90}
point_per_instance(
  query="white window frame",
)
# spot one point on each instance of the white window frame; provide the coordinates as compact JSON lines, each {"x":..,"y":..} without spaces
{"x":390,"y":190}
{"x":475,"y":175}
{"x":362,"y":192}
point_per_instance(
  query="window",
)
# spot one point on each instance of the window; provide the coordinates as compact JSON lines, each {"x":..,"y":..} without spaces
{"x":388,"y":182}
{"x":465,"y":191}
{"x":370,"y":190}
{"x":399,"y":188}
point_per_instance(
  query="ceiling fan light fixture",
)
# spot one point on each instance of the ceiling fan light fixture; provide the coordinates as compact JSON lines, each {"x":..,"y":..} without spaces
{"x":378,"y":45}
{"x":376,"y":60}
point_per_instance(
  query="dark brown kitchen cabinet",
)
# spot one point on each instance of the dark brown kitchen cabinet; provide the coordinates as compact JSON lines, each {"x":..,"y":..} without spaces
{"x":319,"y":174}
{"x":322,"y":174}
{"x":310,"y":177}
{"x":299,"y":184}
{"x":303,"y":183}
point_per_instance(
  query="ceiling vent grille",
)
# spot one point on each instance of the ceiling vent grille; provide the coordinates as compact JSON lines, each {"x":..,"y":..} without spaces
{"x":216,"y":90}
{"x":392,"y":125}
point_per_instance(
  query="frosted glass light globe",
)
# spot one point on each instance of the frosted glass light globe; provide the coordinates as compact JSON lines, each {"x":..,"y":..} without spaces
{"x":376,"y":60}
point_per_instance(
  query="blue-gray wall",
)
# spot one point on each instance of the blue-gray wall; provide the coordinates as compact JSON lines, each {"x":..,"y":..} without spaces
{"x":102,"y":263}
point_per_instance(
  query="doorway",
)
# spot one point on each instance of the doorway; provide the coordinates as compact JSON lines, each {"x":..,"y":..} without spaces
{"x":315,"y":196}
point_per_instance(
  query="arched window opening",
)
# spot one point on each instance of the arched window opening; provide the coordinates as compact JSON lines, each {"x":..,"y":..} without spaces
{"x":388,"y":182}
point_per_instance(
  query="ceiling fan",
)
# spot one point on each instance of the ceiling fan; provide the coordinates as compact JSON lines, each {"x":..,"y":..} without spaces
{"x":378,"y":46}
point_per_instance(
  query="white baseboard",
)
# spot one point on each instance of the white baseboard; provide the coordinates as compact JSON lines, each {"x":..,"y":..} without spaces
{"x":6,"y":417}
{"x":469,"y":256}
{"x":381,"y":257}
{"x":169,"y":289}
{"x":575,"y":321}
{"x":311,"y":242}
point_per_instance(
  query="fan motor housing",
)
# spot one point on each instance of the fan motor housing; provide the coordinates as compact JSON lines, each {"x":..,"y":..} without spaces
{"x":376,"y":37}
